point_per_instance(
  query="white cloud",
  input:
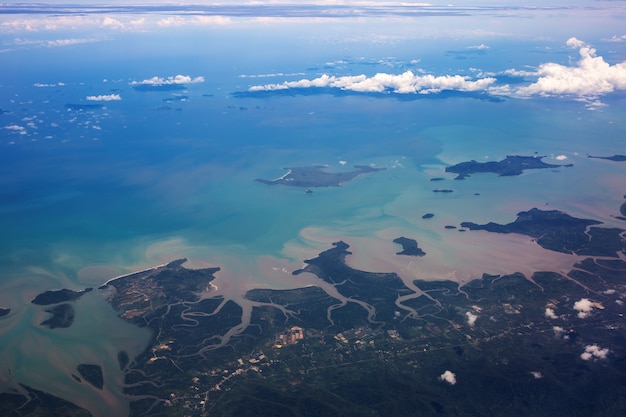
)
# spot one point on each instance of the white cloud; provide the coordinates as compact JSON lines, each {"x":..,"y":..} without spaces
{"x":575,"y":43}
{"x":550,"y":313}
{"x":590,"y":78}
{"x":405,"y":83}
{"x":112,"y":23}
{"x":594,"y":352}
{"x":178,"y":79}
{"x":16,"y":128}
{"x":448,"y":377}
{"x":482,"y":46}
{"x":174,"y":21}
{"x":109,"y":97}
{"x":584,"y":306}
{"x":536,"y":374}
{"x":587,"y":80}
{"x":560,"y":157}
{"x":471,"y":318}
{"x":558,"y":331}
{"x":276,"y":74}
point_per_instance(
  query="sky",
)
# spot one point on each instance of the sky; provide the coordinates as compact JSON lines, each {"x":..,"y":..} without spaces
{"x":572,"y":27}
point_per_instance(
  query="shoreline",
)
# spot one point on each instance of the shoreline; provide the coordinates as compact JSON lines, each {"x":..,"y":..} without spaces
{"x":132,"y":273}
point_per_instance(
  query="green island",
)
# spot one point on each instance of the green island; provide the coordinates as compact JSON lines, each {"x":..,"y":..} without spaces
{"x":409,"y":247}
{"x":62,"y":317}
{"x":59,"y":296}
{"x":510,"y":166}
{"x":92,"y":374}
{"x":316,"y":176}
{"x":616,"y":158}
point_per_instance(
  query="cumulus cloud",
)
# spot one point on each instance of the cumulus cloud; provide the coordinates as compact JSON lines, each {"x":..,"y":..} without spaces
{"x":16,"y":128}
{"x":594,"y":352}
{"x":584,"y":306}
{"x":471,"y":318}
{"x":550,"y":313}
{"x":448,"y":377}
{"x":590,"y":78}
{"x":177,"y":79}
{"x":109,"y":97}
{"x":405,"y":83}
{"x":558,"y":331}
{"x":112,"y":23}
{"x":574,"y":43}
{"x":536,"y":374}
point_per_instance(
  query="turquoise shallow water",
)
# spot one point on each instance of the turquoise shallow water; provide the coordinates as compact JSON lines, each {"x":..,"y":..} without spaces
{"x":88,"y":194}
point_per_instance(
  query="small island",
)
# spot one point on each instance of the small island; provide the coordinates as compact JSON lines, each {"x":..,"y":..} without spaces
{"x":316,"y":176}
{"x":92,"y":374}
{"x":428,"y":216}
{"x":615,"y":158}
{"x":78,"y":106}
{"x":59,"y":296}
{"x":512,"y":165}
{"x":4,"y":311}
{"x":62,"y":317}
{"x":409,"y":247}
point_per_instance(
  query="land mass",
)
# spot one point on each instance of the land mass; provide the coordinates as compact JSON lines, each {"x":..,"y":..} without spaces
{"x":4,"y":311}
{"x":510,"y":166}
{"x":62,"y":317}
{"x":316,"y":176}
{"x":59,"y":296}
{"x":560,"y":232}
{"x":409,"y":247}
{"x":92,"y":374}
{"x":368,"y":343}
{"x":616,"y":158}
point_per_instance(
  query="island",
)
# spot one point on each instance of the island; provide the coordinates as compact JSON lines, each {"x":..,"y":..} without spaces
{"x":409,"y":247}
{"x":62,"y":317}
{"x":4,"y":311}
{"x":92,"y":374}
{"x":58,"y":296}
{"x":158,"y":87}
{"x":81,"y":106}
{"x":317,"y":176}
{"x":428,"y":216}
{"x":616,"y":158}
{"x":510,"y":166}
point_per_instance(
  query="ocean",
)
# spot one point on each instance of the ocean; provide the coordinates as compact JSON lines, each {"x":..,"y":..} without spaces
{"x":89,"y":193}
